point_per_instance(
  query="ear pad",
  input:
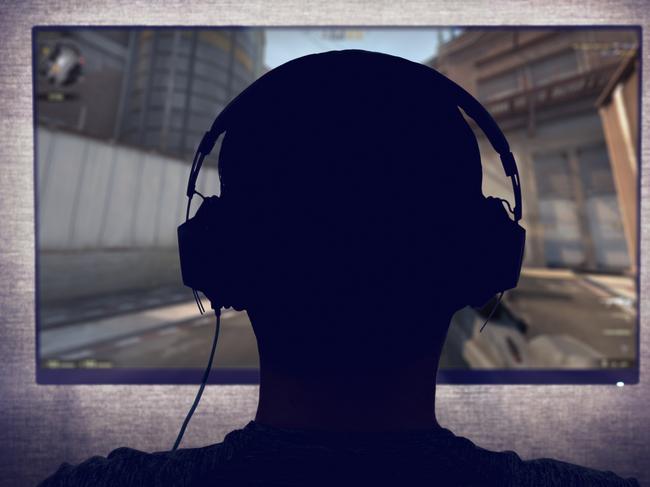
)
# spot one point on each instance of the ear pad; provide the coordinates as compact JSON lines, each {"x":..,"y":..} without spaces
{"x":497,"y":254}
{"x":199,"y":245}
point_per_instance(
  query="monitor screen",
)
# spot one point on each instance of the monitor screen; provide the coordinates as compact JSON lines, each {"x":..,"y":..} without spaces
{"x":118,"y":113}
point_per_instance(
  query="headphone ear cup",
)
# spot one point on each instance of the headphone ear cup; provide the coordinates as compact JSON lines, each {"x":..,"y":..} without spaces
{"x":202,"y":249}
{"x":498,"y":254}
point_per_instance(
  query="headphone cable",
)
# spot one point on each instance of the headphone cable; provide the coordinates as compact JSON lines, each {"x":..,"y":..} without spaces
{"x":492,"y":312}
{"x":217,"y":312}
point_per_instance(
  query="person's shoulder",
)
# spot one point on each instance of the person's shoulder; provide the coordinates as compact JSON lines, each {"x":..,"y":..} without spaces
{"x":130,"y":467}
{"x":507,"y":468}
{"x":547,"y":471}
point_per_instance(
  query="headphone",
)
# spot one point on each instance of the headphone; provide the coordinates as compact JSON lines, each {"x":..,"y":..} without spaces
{"x":498,"y":266}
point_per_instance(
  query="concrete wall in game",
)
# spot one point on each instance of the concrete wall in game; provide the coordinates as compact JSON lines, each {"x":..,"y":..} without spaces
{"x":109,"y":209}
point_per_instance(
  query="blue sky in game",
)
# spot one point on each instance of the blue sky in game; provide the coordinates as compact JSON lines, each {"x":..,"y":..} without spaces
{"x":414,"y":43}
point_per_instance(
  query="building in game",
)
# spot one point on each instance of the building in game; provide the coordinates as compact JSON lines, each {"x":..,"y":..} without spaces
{"x":157,"y":89}
{"x":119,"y":114}
{"x":542,"y":86}
{"x":179,"y":80}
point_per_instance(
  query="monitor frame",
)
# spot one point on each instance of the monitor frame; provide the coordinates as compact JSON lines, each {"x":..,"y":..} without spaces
{"x":247,"y":376}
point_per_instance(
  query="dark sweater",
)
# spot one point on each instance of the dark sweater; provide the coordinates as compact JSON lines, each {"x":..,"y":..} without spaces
{"x":260,"y":455}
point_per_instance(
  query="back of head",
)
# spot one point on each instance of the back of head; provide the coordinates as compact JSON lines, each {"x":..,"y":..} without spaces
{"x":350,"y":179}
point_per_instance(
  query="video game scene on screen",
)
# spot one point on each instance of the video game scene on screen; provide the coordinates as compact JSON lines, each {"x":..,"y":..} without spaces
{"x":119,"y":114}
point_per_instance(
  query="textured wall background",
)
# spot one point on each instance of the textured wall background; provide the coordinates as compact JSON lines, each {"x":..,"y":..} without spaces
{"x":604,"y":427}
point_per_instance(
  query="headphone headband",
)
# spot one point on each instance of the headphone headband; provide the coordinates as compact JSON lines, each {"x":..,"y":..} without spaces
{"x":464,"y":100}
{"x":486,"y":123}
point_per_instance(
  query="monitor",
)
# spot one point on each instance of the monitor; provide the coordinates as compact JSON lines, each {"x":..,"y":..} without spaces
{"x":118,"y":113}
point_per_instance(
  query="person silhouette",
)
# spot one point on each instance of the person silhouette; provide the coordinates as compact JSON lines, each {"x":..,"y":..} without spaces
{"x":351,"y":191}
